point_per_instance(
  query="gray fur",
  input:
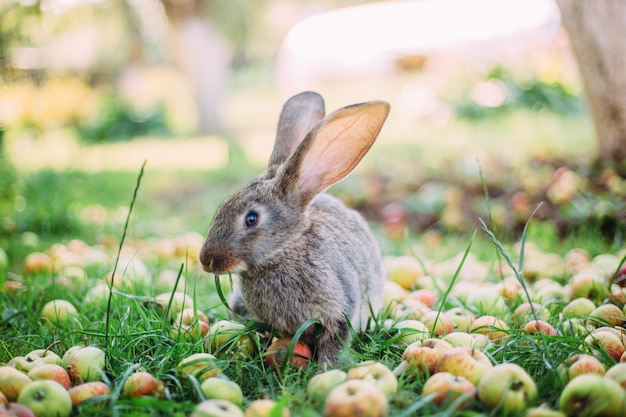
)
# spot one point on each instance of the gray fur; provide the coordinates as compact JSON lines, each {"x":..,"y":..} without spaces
{"x":309,"y":256}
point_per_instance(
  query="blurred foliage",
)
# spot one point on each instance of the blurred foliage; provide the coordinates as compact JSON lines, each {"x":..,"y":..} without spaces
{"x":13,"y":16}
{"x":503,"y":93}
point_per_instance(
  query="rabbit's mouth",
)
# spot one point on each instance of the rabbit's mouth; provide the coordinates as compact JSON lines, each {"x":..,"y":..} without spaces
{"x":220,"y":260}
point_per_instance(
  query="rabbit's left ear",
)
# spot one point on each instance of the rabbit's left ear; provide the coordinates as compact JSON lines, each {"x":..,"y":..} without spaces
{"x":334,"y":147}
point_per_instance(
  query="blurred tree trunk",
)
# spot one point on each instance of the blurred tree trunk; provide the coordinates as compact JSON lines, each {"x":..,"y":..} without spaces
{"x":202,"y":55}
{"x":597,"y":30}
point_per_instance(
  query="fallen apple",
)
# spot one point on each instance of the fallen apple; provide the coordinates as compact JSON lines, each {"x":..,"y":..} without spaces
{"x":12,"y":382}
{"x":607,"y":341}
{"x":593,"y":395}
{"x":617,"y":373}
{"x":438,"y":323}
{"x":266,"y":408}
{"x":608,"y":315}
{"x":446,"y":389}
{"x":421,"y":357}
{"x":84,"y":363}
{"x":230,"y":338}
{"x":405,"y":271}
{"x":356,"y":398}
{"x":216,"y":408}
{"x":376,"y":373}
{"x":467,"y":362}
{"x":198,"y":365}
{"x":579,"y":364}
{"x":51,"y":371}
{"x":411,"y":331}
{"x":300,"y":356}
{"x":143,"y":384}
{"x":59,"y":312}
{"x":507,"y":387}
{"x":578,"y":307}
{"x":490,"y":326}
{"x":219,"y":388}
{"x":15,"y":410}
{"x":88,"y":391}
{"x":320,"y":385}
{"x":46,"y":398}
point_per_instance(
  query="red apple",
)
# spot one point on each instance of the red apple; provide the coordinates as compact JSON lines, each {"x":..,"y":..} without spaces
{"x":579,"y":364}
{"x":447,"y":389}
{"x":51,"y":371}
{"x":422,"y":356}
{"x":300,"y":356}
{"x":87,"y":391}
{"x":466,"y":362}
{"x":540,"y":326}
{"x":15,"y":410}
{"x":608,"y":314}
{"x":607,"y":341}
{"x":12,"y":382}
{"x":490,"y":326}
{"x":356,"y":398}
{"x":143,"y":384}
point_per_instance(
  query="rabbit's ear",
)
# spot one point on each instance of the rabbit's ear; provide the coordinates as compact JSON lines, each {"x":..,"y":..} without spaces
{"x":333,"y":148}
{"x":299,"y":115}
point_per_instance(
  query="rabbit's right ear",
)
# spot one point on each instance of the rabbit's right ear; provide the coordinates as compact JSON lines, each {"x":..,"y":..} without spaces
{"x":300,"y":113}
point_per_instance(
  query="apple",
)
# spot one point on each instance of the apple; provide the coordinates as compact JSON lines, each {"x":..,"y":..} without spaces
{"x":405,"y":271}
{"x":593,"y":395}
{"x":300,"y":356}
{"x":461,"y":318}
{"x":588,"y":283}
{"x":543,"y":411}
{"x":98,"y":294}
{"x":578,"y":307}
{"x":608,"y":314}
{"x":447,"y":388}
{"x":198,"y":365}
{"x":51,"y":371}
{"x":230,"y":337}
{"x":487,"y":301}
{"x":356,"y":397}
{"x":579,"y":364}
{"x":376,"y":373}
{"x":3,"y":399}
{"x":320,"y":385}
{"x":524,"y":312}
{"x":438,"y":323}
{"x":223,"y":389}
{"x":180,"y":301}
{"x":87,"y":391}
{"x":24,"y":363}
{"x":456,"y":339}
{"x":411,"y":331}
{"x":142,"y":384}
{"x":422,"y":356}
{"x":617,"y":373}
{"x":508,"y":388}
{"x":607,"y":341}
{"x":37,"y":263}
{"x":266,"y":408}
{"x":58,"y":312}
{"x":216,"y":408}
{"x":392,"y":294}
{"x":490,"y":326}
{"x":466,"y":362}
{"x":191,"y":323}
{"x":15,"y":410}
{"x":575,"y":327}
{"x":84,"y":363}
{"x":46,"y":355}
{"x":46,"y":398}
{"x":409,"y":309}
{"x":540,"y":326}
{"x":423,"y":295}
{"x":12,"y":382}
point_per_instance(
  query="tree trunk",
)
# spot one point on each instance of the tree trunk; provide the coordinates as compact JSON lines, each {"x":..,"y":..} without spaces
{"x":597,"y":30}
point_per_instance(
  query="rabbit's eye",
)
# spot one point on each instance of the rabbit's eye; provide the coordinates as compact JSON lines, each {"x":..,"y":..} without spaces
{"x":252,"y":219}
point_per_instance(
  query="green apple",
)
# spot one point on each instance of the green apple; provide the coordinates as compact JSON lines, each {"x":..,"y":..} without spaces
{"x":89,"y":390}
{"x":447,"y":388}
{"x":376,"y":373}
{"x":578,"y":307}
{"x":222,"y":389}
{"x":617,"y":373}
{"x":46,"y":356}
{"x":59,"y":312}
{"x":463,"y":361}
{"x":579,"y":364}
{"x":456,"y":339}
{"x":543,"y":411}
{"x":230,"y":338}
{"x":216,"y":408}
{"x":508,"y":388}
{"x":46,"y":398}
{"x":593,"y":395}
{"x":12,"y":382}
{"x":266,"y":408}
{"x":51,"y":371}
{"x":25,"y":363}
{"x":411,"y":331}
{"x":180,"y":301}
{"x":356,"y":398}
{"x":405,"y":271}
{"x":461,"y":317}
{"x":84,"y":363}
{"x":198,"y":365}
{"x":320,"y":385}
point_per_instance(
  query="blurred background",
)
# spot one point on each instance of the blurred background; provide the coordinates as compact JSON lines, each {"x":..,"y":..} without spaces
{"x":488,"y":118}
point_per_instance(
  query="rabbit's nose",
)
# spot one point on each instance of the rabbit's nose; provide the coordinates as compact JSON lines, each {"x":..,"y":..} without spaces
{"x":219,"y":259}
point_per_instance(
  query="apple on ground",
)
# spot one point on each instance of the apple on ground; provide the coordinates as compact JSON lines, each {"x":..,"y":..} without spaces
{"x":25,"y":363}
{"x":46,"y":398}
{"x":191,"y":323}
{"x":579,"y":364}
{"x":487,"y":300}
{"x":37,"y":263}
{"x":447,"y":389}
{"x":578,"y":307}
{"x":12,"y":382}
{"x":543,"y":411}
{"x":376,"y":373}
{"x":216,"y":408}
{"x":421,"y":357}
{"x":58,"y":312}
{"x":300,"y":356}
{"x":51,"y":371}
{"x":180,"y":301}
{"x":617,"y":373}
{"x":411,"y":331}
{"x":87,"y":391}
{"x":222,"y":389}
{"x":608,"y":314}
{"x":84,"y":363}
{"x":490,"y":326}
{"x":507,"y":387}
{"x":461,"y":318}
{"x":466,"y":362}
{"x":198,"y":365}
{"x":438,"y":323}
{"x":15,"y":410}
{"x":608,"y":341}
{"x":524,"y":312}
{"x":320,"y":385}
{"x":266,"y":408}
{"x":231,"y":338}
{"x":423,"y":295}
{"x":46,"y":355}
{"x":142,"y":384}
{"x":540,"y":326}
{"x":405,"y":271}
{"x":356,"y":397}
{"x":593,"y":395}
{"x":456,"y":339}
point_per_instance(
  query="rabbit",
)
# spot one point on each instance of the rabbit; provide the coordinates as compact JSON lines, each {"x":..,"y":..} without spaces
{"x":301,"y":253}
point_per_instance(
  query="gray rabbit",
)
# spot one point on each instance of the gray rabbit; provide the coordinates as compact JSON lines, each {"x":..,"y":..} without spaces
{"x":300,"y":252}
